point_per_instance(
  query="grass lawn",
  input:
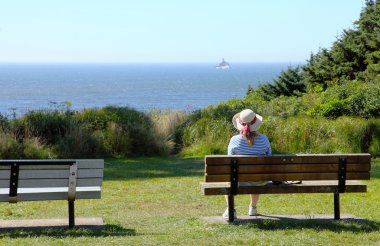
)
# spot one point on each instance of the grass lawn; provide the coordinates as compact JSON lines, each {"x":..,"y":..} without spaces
{"x":157,"y":201}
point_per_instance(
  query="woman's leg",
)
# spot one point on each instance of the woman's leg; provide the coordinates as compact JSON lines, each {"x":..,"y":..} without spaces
{"x":254,"y":199}
{"x":226,"y":197}
{"x":226,"y":213}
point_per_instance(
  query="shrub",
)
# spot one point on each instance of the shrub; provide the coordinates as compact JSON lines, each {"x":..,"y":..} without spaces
{"x":117,"y":140}
{"x":30,"y":148}
{"x":34,"y":149}
{"x":351,"y":98}
{"x":47,"y":125}
{"x":9,"y":147}
{"x":79,"y":143}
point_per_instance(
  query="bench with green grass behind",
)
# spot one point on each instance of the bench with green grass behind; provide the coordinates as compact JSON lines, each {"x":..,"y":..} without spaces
{"x":39,"y":180}
{"x":319,"y":173}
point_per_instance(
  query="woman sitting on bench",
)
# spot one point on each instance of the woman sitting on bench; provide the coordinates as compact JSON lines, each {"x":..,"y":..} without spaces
{"x":248,"y":142}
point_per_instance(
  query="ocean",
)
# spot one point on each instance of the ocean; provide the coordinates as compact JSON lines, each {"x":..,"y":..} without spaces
{"x":25,"y":87}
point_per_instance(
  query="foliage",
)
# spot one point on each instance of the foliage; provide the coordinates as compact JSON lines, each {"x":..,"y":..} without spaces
{"x":355,"y":54}
{"x":108,"y":131}
{"x":341,"y":80}
{"x":288,"y":134}
{"x":50,"y":125}
{"x":288,"y":83}
{"x":30,"y":148}
{"x":352,"y":98}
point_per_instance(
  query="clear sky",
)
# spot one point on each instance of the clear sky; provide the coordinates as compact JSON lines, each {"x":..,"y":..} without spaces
{"x":171,"y":30}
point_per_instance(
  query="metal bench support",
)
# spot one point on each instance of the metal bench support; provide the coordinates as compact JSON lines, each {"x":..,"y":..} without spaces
{"x":233,"y":190}
{"x":71,"y":194}
{"x":336,"y":206}
{"x":71,"y":214}
{"x":341,"y":186}
{"x":231,"y":208}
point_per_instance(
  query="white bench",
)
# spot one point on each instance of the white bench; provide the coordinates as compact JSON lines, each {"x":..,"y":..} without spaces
{"x":40,"y":180}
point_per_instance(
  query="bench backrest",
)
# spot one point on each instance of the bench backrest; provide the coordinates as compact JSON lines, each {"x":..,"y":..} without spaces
{"x":288,"y":167}
{"x":52,"y":173}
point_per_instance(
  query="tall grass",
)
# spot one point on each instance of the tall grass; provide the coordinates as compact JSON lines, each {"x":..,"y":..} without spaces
{"x":107,"y":132}
{"x":289,"y":135}
{"x":125,"y":132}
{"x":165,"y":125}
{"x":31,"y":148}
{"x":318,"y":135}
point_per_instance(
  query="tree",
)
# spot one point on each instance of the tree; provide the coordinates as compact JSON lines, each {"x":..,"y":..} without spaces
{"x":351,"y":55}
{"x":288,"y":83}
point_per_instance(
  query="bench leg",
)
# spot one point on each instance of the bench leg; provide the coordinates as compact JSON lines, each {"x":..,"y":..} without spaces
{"x":71,"y":214}
{"x":231,"y":208}
{"x":336,"y":206}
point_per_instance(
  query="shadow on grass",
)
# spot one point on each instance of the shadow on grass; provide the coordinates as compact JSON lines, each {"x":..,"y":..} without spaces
{"x":349,"y":224}
{"x":59,"y":232}
{"x":152,"y":167}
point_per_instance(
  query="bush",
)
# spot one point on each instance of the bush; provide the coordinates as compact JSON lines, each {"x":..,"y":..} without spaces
{"x":34,"y":149}
{"x":30,"y":148}
{"x":50,"y":126}
{"x":351,"y":98}
{"x":122,"y":130}
{"x":79,"y":143}
{"x":9,"y":147}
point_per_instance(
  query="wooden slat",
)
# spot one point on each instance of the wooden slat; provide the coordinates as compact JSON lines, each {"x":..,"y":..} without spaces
{"x":286,"y":168}
{"x":305,"y":187}
{"x":287,"y":159}
{"x":33,"y":164}
{"x":60,"y":193}
{"x":35,"y":183}
{"x":288,"y":176}
{"x":52,"y":174}
{"x":36,"y":167}
{"x":90,"y":163}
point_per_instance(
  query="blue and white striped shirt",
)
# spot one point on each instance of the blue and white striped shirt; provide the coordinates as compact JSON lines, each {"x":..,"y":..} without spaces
{"x":238,"y":146}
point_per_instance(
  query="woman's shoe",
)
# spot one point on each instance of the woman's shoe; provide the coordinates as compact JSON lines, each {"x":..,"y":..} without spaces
{"x":225,"y":214}
{"x":252,"y":210}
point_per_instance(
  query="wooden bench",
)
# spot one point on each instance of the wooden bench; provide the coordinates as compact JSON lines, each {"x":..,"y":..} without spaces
{"x":40,"y":180}
{"x":319,"y":173}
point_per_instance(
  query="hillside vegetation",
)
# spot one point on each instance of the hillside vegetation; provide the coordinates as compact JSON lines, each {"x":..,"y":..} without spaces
{"x":331,"y":104}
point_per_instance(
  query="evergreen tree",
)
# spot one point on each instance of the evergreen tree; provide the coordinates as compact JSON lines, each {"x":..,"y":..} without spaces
{"x":288,"y":83}
{"x":351,"y":55}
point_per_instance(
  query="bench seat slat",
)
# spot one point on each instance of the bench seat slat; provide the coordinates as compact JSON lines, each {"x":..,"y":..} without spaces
{"x":33,"y":164}
{"x":57,"y":193}
{"x":36,"y":183}
{"x":55,"y":173}
{"x":36,"y":167}
{"x":287,"y":159}
{"x":288,"y":176}
{"x":223,"y":188}
{"x":286,"y":168}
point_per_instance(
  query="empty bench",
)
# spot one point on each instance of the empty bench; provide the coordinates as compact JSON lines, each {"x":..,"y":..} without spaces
{"x":40,"y":180}
{"x":319,"y":173}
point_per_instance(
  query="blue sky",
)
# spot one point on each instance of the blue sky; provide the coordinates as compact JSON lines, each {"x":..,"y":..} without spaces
{"x":171,"y":31}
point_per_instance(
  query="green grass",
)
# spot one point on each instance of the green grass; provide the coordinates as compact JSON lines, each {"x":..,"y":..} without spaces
{"x":157,"y":201}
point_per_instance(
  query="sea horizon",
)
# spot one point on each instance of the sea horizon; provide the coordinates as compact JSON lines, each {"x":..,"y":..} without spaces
{"x":143,"y":86}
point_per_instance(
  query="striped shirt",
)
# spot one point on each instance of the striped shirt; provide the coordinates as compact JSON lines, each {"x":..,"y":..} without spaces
{"x":238,"y":146}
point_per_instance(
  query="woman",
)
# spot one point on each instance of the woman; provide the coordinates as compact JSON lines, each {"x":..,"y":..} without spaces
{"x":248,"y":142}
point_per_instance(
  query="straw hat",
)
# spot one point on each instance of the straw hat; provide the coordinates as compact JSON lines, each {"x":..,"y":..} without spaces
{"x":249,"y":118}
